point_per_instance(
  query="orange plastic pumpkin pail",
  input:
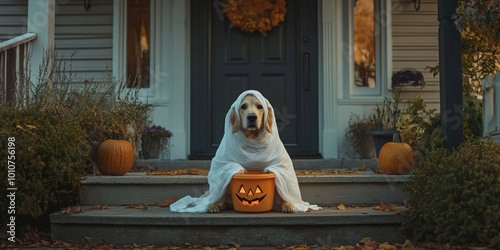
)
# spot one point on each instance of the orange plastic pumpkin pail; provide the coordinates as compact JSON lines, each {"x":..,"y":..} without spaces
{"x":253,"y":192}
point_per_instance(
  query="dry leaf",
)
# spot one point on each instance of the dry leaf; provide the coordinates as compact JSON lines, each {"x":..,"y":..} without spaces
{"x":66,"y":210}
{"x":386,"y":246}
{"x":165,"y":203}
{"x":140,"y":207}
{"x":235,"y":245}
{"x":341,"y":206}
{"x":99,"y":207}
{"x":78,"y":210}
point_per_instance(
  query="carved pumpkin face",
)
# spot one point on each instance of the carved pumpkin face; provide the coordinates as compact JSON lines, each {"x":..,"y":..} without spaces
{"x":249,"y":196}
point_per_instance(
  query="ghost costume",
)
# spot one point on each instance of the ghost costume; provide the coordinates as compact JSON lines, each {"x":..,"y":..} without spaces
{"x":238,"y":154}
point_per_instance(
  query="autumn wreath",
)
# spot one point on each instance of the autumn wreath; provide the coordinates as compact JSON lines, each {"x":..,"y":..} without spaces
{"x":255,"y":15}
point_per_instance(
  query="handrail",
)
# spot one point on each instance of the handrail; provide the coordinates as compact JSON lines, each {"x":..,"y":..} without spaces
{"x":16,"y":41}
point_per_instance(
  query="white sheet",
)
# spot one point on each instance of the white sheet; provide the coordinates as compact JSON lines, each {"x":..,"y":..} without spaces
{"x":237,"y":154}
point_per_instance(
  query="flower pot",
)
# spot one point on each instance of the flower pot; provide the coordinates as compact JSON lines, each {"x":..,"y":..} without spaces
{"x":381,"y":137}
{"x":151,"y":149}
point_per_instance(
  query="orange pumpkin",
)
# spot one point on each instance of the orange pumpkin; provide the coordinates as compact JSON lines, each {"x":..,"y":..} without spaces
{"x":115,"y":157}
{"x":396,"y":157}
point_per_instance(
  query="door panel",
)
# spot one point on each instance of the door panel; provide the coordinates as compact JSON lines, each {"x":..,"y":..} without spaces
{"x":272,"y":64}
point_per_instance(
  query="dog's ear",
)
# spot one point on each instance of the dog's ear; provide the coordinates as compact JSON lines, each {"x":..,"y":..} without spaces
{"x":235,"y":121}
{"x":269,"y":119}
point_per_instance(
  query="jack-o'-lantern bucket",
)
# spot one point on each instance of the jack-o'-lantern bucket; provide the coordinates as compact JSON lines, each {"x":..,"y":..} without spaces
{"x":253,"y":192}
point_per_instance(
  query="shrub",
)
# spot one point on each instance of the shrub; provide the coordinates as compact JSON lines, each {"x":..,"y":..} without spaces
{"x":357,"y":139}
{"x":454,"y":197}
{"x":51,"y":155}
{"x":56,"y":131}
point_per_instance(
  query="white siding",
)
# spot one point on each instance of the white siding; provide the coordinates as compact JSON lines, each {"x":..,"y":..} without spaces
{"x":13,"y":18}
{"x":415,"y":44}
{"x":85,"y":38}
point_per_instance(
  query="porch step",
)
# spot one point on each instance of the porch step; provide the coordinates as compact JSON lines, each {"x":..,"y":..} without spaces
{"x":324,"y":190}
{"x":159,"y":226}
{"x":304,"y":164}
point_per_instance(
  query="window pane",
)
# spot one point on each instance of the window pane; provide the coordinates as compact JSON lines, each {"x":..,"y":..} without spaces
{"x":364,"y":43}
{"x":138,"y":30}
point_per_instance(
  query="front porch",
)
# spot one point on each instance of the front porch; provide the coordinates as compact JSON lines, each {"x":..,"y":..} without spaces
{"x":122,"y":210}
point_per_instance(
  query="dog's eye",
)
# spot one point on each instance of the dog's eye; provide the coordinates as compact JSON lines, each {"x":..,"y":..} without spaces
{"x":260,"y":106}
{"x":257,"y":190}
{"x":244,"y":106}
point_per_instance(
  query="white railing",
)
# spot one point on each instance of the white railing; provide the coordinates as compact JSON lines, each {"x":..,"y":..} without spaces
{"x":13,"y":57}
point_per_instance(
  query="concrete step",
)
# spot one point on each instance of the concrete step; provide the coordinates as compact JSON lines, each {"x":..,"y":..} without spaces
{"x":305,"y":164}
{"x":324,"y":190}
{"x":156,"y":225}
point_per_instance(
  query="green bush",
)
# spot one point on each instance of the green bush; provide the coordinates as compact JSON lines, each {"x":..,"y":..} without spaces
{"x":454,"y":197}
{"x":357,"y":139}
{"x":51,"y":155}
{"x":57,"y":131}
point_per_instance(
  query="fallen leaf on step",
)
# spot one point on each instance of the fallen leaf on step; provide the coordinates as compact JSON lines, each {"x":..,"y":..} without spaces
{"x":341,"y":206}
{"x":140,"y":207}
{"x":384,"y":207}
{"x":165,"y":203}
{"x":99,"y":207}
{"x":78,"y":210}
{"x":66,"y":210}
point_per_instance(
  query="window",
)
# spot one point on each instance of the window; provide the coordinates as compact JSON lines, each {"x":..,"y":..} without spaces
{"x":367,"y":60}
{"x":364,"y":43}
{"x":138,"y":43}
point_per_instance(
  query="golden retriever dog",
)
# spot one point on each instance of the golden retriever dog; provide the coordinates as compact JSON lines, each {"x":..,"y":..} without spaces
{"x":251,"y":142}
{"x":252,"y":123}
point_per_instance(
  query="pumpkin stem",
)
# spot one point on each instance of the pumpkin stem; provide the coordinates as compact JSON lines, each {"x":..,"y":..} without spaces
{"x":396,"y":138}
{"x":116,"y":136}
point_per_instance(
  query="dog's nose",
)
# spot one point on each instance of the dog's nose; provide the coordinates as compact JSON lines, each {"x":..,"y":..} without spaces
{"x":252,"y":117}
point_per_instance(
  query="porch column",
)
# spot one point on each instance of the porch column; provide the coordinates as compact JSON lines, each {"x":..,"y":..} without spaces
{"x":330,"y":78}
{"x":41,"y":20}
{"x":450,"y":75}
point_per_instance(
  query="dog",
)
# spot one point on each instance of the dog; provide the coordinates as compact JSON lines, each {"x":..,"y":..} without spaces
{"x":252,"y":123}
{"x":251,"y":142}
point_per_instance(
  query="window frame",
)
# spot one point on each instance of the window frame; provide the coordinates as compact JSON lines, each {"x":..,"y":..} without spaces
{"x":120,"y":47}
{"x":383,"y":51}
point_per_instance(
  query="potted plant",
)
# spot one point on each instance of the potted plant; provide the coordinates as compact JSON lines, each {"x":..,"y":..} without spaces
{"x":387,"y":115}
{"x":357,"y":139}
{"x":154,"y":140}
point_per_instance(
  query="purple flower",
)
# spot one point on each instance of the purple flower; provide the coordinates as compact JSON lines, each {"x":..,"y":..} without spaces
{"x":156,"y":133}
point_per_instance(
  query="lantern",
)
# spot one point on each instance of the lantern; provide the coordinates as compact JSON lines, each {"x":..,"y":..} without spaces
{"x":253,"y":192}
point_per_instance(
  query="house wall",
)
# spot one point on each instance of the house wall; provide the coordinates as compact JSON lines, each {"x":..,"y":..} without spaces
{"x":84,"y":39}
{"x":414,"y":45}
{"x":13,"y":18}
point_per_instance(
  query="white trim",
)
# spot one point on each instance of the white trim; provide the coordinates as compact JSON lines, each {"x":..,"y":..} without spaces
{"x":120,"y":48}
{"x":330,"y":50}
{"x":41,"y":20}
{"x":383,"y":62}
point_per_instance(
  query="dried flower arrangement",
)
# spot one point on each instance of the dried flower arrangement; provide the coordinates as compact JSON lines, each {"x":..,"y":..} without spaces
{"x":255,"y":15}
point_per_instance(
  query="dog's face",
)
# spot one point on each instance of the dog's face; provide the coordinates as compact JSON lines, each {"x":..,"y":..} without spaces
{"x":251,"y":120}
